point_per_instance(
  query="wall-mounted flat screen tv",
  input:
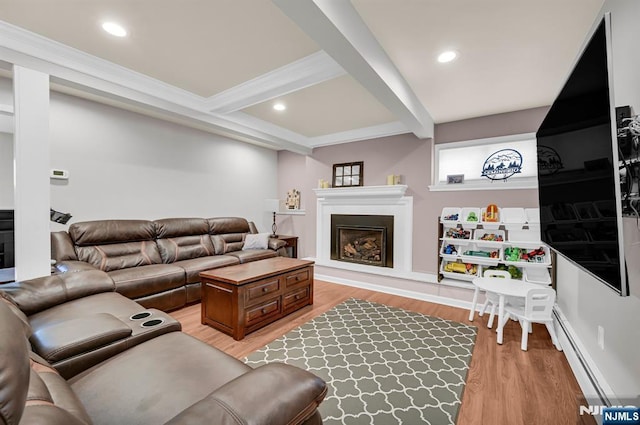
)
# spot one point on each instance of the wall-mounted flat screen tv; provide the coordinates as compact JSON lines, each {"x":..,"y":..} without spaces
{"x":578,"y":185}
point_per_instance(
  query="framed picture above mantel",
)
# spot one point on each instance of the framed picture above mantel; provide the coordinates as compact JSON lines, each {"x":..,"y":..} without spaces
{"x":348,"y":174}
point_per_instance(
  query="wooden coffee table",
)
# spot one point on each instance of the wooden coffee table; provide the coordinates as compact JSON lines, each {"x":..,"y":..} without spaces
{"x":243,"y":298}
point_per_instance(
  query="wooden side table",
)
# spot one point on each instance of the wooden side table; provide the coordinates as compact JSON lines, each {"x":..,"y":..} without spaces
{"x":292,"y":242}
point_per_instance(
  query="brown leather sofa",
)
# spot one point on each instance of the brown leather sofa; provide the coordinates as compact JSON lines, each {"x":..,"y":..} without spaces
{"x":105,"y":368}
{"x":156,"y":263}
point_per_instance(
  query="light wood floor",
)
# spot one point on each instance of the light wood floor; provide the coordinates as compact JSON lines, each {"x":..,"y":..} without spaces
{"x":505,"y":385}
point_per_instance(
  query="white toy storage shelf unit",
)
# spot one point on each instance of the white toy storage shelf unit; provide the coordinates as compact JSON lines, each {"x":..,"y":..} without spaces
{"x":469,"y":245}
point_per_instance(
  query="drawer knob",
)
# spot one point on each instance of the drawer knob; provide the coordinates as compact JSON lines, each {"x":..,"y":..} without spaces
{"x":265,"y":289}
{"x":263,"y":311}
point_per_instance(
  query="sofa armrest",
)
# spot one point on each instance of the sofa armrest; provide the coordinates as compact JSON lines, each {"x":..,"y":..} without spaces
{"x":72,"y":266}
{"x":62,"y":247}
{"x":272,"y":394}
{"x":62,"y":340}
{"x":275,"y":243}
{"x":35,"y":295}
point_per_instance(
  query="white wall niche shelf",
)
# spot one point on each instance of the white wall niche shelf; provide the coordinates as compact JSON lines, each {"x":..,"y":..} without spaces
{"x":291,"y":212}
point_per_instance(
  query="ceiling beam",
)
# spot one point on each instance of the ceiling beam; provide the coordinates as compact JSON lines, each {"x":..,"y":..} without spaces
{"x":340,"y":31}
{"x":303,"y":73}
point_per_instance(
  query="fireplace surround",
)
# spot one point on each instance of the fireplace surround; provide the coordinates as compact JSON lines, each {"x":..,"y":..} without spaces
{"x":367,"y":200}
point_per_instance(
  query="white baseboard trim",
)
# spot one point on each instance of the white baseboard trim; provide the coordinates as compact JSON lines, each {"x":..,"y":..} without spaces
{"x":452,"y":302}
{"x":591,"y":381}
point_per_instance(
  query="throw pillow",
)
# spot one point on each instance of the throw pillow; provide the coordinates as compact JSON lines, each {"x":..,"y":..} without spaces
{"x":256,"y":241}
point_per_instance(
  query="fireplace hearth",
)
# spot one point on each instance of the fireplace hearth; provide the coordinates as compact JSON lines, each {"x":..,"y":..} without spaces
{"x":362,"y":239}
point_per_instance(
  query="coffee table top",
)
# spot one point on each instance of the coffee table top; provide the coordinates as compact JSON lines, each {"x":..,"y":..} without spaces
{"x":241,"y":274}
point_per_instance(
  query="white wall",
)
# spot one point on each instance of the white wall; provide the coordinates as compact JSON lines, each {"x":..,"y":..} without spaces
{"x":126,"y":165}
{"x":6,"y":151}
{"x":585,"y":302}
{"x":6,"y":171}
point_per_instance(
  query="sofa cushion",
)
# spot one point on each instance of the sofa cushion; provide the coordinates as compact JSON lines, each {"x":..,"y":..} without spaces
{"x":150,"y":279}
{"x":252,"y":255}
{"x":48,"y":388}
{"x":102,"y":232}
{"x":185,"y":247}
{"x":120,"y":255}
{"x":153,"y":382}
{"x":173,"y":227}
{"x":223,"y":225}
{"x":14,"y":367}
{"x":194,"y":266}
{"x":108,"y":302}
{"x":183,"y":238}
{"x":227,"y":233}
{"x":256,"y":241}
{"x":41,"y":293}
{"x":26,"y":326}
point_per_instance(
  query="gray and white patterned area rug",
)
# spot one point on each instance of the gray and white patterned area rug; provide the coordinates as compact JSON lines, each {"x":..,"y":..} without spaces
{"x":383,"y":365}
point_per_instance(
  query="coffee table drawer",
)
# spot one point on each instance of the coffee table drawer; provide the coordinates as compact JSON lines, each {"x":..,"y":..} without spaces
{"x":294,"y":297}
{"x":262,"y":312}
{"x":261,"y":289}
{"x":297,"y":278}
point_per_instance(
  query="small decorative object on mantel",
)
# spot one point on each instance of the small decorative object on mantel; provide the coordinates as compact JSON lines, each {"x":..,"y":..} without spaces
{"x":323,"y":184}
{"x":293,"y":199}
{"x":348,"y":174}
{"x":393,"y":179}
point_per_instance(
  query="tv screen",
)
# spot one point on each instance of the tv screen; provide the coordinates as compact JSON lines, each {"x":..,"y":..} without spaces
{"x":577,"y":168}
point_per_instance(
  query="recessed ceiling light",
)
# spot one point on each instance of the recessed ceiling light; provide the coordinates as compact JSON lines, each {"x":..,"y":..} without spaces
{"x":279,"y":106}
{"x":114,"y":29}
{"x":447,"y":56}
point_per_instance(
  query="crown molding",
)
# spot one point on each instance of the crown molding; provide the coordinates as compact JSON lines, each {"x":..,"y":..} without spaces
{"x":303,"y":73}
{"x":373,"y":132}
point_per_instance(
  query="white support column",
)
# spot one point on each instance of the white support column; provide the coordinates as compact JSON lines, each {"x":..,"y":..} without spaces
{"x":31,"y":168}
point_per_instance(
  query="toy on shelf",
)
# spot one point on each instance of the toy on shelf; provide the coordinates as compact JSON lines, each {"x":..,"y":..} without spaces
{"x":450,"y":250}
{"x":520,"y":254}
{"x":472,"y":217}
{"x":451,"y":217}
{"x":535,"y":256}
{"x":513,"y":254}
{"x":492,"y":237}
{"x":485,"y":254}
{"x":463,"y":268}
{"x":491,"y":214}
{"x":514,"y":271}
{"x":455,"y":233}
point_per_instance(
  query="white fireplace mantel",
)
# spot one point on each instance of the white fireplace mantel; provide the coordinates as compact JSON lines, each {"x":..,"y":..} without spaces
{"x":390,"y":191}
{"x":367,"y":200}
